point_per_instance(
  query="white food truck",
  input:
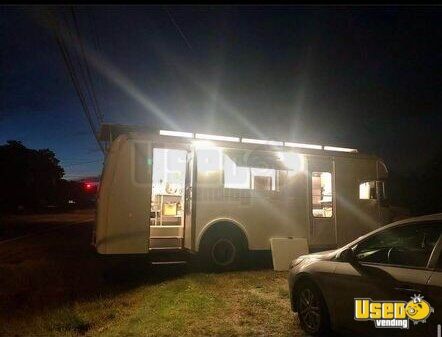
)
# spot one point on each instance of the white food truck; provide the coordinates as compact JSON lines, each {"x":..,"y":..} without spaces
{"x":221,"y":196}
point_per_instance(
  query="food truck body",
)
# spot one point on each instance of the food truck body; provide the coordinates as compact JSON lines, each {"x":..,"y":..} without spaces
{"x":222,"y":196}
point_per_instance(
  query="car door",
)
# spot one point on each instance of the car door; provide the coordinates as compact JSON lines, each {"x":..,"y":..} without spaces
{"x":391,"y":265}
{"x":435,"y":291}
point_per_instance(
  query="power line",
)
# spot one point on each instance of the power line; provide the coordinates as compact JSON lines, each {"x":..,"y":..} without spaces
{"x":74,"y":40}
{"x":95,"y":32}
{"x":75,"y":81}
{"x":86,"y":68}
{"x":96,"y":39}
{"x":178,"y":29}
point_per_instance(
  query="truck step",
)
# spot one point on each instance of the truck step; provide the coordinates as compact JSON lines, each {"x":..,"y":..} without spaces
{"x":164,"y":248}
{"x":166,"y":237}
{"x":167,"y":262}
{"x":166,"y":242}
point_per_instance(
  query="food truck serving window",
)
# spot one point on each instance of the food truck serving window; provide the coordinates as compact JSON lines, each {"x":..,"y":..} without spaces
{"x":258,"y":170}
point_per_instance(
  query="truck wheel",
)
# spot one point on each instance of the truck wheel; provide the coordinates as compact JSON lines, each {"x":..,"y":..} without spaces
{"x":222,"y":252}
{"x":312,"y":310}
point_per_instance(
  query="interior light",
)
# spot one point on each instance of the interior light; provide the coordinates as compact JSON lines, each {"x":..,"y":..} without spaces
{"x":339,"y":149}
{"x":260,"y":141}
{"x":176,"y":133}
{"x":215,"y":137}
{"x":303,"y":146}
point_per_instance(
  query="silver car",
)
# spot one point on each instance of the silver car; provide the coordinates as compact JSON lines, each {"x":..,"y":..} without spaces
{"x":397,"y":266}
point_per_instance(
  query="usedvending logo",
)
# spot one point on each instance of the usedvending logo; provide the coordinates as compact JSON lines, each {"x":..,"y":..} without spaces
{"x":393,"y":314}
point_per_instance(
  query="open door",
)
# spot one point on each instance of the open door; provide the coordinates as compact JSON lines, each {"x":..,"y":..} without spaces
{"x":167,"y":214}
{"x":188,"y":201}
{"x":322,"y":210}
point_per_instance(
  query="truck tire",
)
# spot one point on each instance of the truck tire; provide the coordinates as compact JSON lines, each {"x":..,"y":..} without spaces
{"x":222,"y":251}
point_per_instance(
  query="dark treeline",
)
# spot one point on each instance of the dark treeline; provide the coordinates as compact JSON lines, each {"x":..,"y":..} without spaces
{"x":420,"y":192}
{"x":32,"y":180}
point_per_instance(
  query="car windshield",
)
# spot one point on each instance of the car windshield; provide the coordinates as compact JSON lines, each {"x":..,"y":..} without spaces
{"x":404,"y":245}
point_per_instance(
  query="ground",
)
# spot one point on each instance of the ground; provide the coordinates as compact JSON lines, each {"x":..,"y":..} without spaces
{"x":52,"y":283}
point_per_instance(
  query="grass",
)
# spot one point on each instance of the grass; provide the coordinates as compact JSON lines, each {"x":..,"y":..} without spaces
{"x":13,"y":225}
{"x":247,"y":303}
{"x":54,"y":285}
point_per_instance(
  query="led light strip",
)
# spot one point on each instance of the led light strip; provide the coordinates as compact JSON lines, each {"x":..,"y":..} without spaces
{"x":215,"y":137}
{"x":260,"y":141}
{"x":339,"y":149}
{"x":303,"y":146}
{"x":176,"y":133}
{"x":255,"y":141}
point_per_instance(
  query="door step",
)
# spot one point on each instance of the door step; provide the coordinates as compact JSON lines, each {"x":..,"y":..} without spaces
{"x":167,"y":262}
{"x":165,"y":242}
{"x":164,"y":248}
{"x":166,"y":237}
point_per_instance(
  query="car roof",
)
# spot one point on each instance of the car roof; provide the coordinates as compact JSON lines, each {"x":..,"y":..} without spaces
{"x":422,"y":218}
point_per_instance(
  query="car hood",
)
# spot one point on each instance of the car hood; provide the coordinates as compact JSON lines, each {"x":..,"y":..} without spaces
{"x":325,"y":255}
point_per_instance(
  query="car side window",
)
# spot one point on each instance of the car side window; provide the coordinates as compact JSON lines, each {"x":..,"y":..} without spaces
{"x":409,"y":245}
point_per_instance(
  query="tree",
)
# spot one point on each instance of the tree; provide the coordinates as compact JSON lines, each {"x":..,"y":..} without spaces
{"x":421,"y":191}
{"x":28,"y":177}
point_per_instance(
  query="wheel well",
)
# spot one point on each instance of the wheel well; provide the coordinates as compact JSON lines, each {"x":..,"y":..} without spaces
{"x":306,"y":278}
{"x":303,"y":278}
{"x":224,"y":227}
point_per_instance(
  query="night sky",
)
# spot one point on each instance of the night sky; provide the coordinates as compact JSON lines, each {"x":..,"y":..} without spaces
{"x":361,"y":77}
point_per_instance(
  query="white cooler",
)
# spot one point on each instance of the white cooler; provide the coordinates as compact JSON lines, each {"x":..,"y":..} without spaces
{"x":284,"y":250}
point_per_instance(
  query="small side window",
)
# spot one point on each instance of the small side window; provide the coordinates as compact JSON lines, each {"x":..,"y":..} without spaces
{"x":367,"y":190}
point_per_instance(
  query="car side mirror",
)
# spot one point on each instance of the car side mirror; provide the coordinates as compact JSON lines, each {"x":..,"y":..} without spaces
{"x":348,"y":255}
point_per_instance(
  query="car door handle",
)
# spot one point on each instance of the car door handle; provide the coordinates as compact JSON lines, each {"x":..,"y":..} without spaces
{"x":409,"y":290}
